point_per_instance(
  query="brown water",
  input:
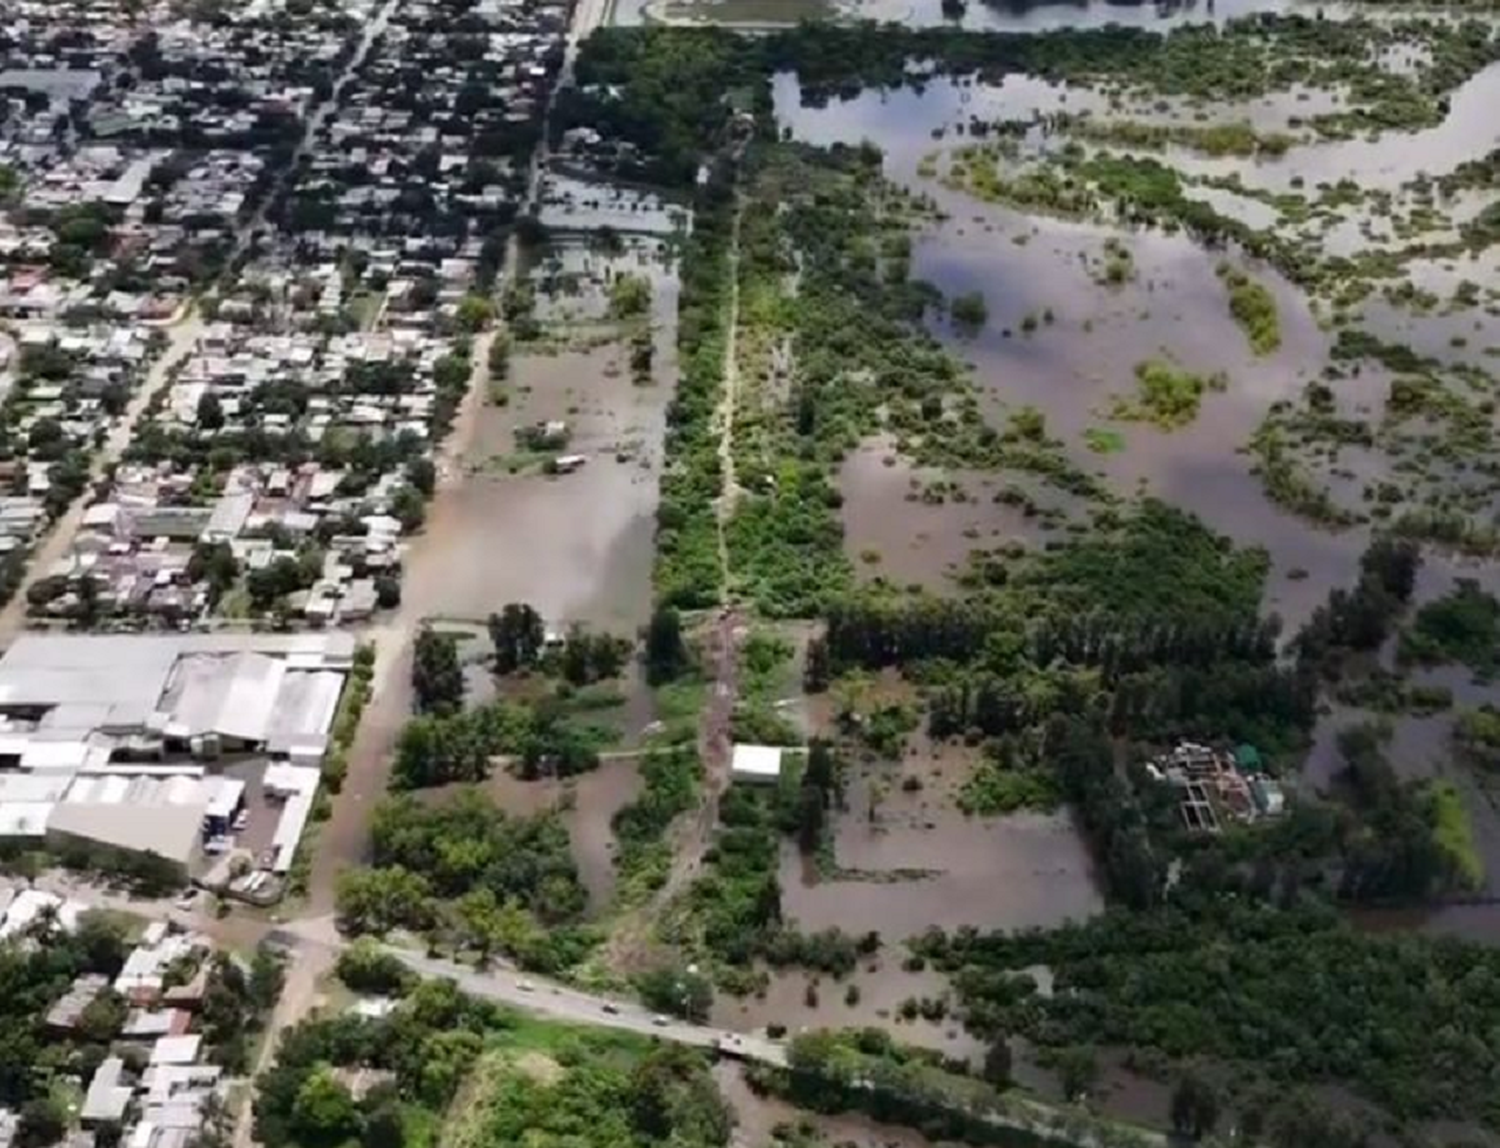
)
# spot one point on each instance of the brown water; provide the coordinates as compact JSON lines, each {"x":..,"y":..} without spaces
{"x":757,"y":1117}
{"x":925,"y":543}
{"x":882,"y":985}
{"x":578,"y":547}
{"x":915,"y":860}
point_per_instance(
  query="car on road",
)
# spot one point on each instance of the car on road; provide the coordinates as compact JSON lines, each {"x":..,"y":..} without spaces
{"x":526,"y":986}
{"x":611,"y":1008}
{"x":660,"y":1021}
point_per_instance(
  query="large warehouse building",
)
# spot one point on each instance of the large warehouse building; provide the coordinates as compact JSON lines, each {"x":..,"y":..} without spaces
{"x":143,"y":743}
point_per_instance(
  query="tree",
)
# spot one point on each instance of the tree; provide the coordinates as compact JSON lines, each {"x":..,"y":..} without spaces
{"x":387,"y":592}
{"x":475,"y":312}
{"x":214,"y":564}
{"x":43,"y":1122}
{"x":408,"y":508}
{"x":324,"y":1112}
{"x":666,"y":653}
{"x":518,"y":636}
{"x":436,"y":676}
{"x":366,"y":967}
{"x":997,"y":1063}
{"x":210,"y":412}
{"x":1077,"y":1069}
{"x":384,"y":1128}
{"x":267,"y":975}
{"x":1195,"y":1106}
{"x":677,"y":991}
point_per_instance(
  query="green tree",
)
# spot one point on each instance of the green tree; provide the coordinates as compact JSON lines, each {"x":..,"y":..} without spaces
{"x":518,"y":635}
{"x":210,"y":412}
{"x":666,"y":654}
{"x":1195,"y":1106}
{"x":324,"y":1112}
{"x":437,"y":679}
{"x":997,"y":1063}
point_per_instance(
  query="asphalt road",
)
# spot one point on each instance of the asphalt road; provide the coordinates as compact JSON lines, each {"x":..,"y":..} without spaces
{"x":559,"y":1002}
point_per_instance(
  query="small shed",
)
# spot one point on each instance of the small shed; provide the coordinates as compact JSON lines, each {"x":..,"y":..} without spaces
{"x":1248,"y":761}
{"x":756,"y":764}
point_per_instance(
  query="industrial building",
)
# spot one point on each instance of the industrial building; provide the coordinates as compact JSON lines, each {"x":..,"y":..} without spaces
{"x":143,"y":744}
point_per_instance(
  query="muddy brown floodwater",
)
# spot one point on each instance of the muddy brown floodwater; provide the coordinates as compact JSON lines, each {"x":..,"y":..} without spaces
{"x":906,"y":859}
{"x":926,"y":543}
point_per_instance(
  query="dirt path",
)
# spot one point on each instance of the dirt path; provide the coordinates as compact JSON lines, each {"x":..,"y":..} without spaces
{"x":728,"y":398}
{"x":630,"y":945}
{"x":298,"y":997}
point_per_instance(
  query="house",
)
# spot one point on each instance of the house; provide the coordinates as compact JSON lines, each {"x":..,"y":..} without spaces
{"x":755,"y":764}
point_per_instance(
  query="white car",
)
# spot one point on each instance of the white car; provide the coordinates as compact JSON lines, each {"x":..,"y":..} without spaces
{"x":526,"y":986}
{"x":660,"y":1021}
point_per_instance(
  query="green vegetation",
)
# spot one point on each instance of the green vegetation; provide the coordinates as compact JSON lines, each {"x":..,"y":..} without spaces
{"x":629,"y":296}
{"x":1104,"y":440}
{"x":969,"y":310}
{"x":1462,"y":626}
{"x":1237,"y":138}
{"x":1253,"y":308}
{"x":670,"y":778}
{"x":998,"y":785}
{"x":447,"y":1069}
{"x":1166,"y":396}
{"x":1255,"y":987}
{"x":1454,"y":834}
{"x":467,"y":872}
{"x":865,"y":1070}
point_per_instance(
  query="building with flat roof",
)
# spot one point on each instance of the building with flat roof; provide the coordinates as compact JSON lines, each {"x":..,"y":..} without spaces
{"x":107,"y":742}
{"x":756,"y":764}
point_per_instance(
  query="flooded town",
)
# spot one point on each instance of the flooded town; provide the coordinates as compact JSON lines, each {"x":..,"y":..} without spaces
{"x":748,"y":573}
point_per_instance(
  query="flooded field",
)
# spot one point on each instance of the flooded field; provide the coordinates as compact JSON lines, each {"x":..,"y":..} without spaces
{"x":944,"y":516}
{"x":1062,"y":339}
{"x":576,"y":546}
{"x":910,"y":859}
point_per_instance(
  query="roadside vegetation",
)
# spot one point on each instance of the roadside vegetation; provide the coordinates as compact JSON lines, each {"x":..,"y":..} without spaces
{"x":446,"y":1069}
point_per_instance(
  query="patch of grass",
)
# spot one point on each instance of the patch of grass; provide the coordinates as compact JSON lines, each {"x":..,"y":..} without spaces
{"x":1104,"y":440}
{"x":993,"y":789}
{"x":1166,"y":396}
{"x":1253,"y":308}
{"x":1454,"y":833}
